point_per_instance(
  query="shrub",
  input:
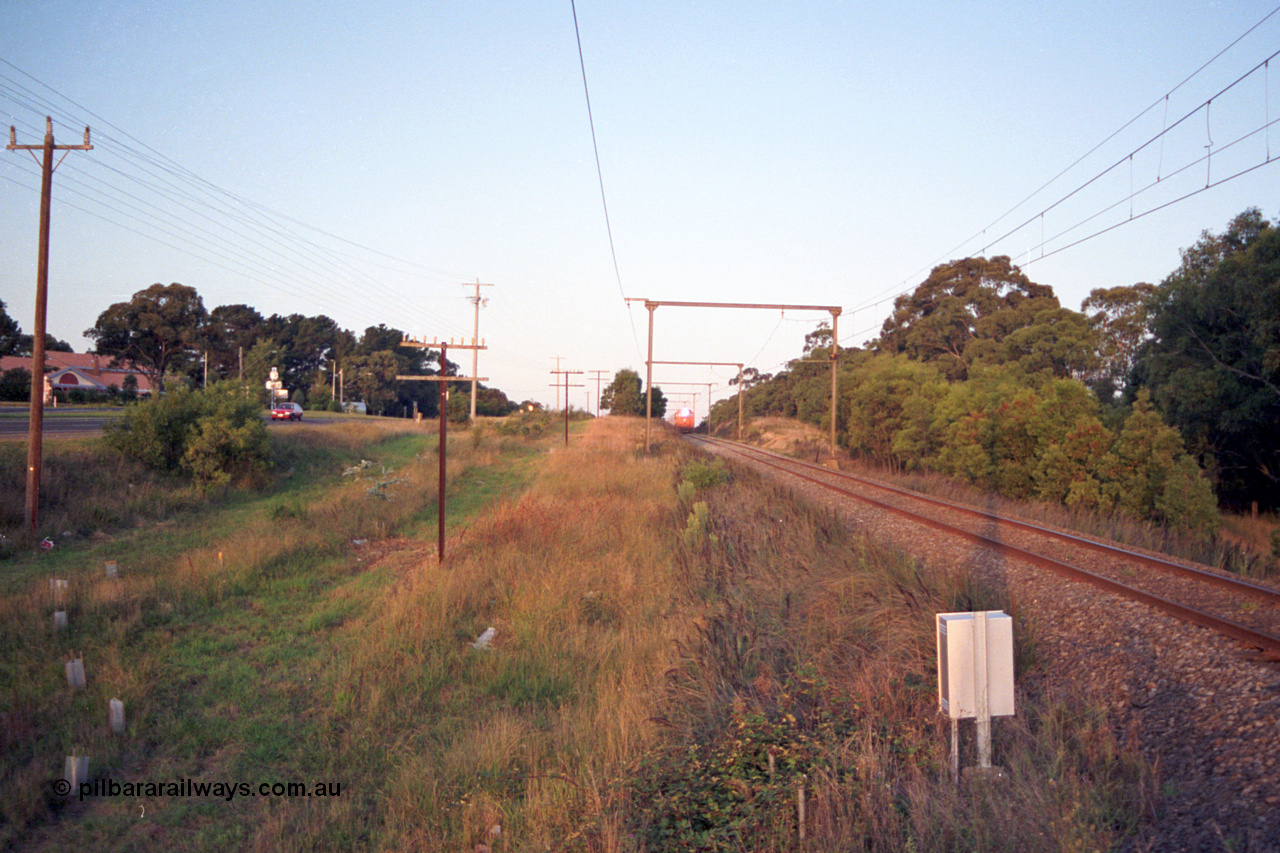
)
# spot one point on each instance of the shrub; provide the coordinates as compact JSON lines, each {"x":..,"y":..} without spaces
{"x":524,"y":424}
{"x":697,"y":530}
{"x":15,"y":384}
{"x":704,"y":475}
{"x":214,"y":435}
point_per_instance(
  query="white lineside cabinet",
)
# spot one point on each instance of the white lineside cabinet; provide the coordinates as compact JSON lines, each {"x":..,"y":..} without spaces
{"x":962,"y":662}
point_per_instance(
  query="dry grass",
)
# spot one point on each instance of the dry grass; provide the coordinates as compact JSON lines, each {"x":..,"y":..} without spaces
{"x":632,"y":676}
{"x":653,"y":683}
{"x":532,"y":734}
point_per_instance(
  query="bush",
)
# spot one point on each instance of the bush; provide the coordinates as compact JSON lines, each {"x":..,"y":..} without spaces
{"x":458,"y":409}
{"x":15,"y":384}
{"x":704,"y":475}
{"x":524,"y":424}
{"x":215,"y":435}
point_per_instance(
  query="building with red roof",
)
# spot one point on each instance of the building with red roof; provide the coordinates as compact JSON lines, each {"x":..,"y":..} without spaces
{"x":70,"y":371}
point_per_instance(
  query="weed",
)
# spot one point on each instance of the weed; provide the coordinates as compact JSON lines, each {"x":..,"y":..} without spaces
{"x":289,"y":510}
{"x":697,"y":528}
{"x":704,"y":475}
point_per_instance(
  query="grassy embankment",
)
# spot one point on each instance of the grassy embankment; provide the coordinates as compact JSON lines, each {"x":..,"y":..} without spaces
{"x":678,"y":652}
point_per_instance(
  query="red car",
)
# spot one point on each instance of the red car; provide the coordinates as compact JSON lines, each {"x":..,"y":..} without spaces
{"x":286,"y":412}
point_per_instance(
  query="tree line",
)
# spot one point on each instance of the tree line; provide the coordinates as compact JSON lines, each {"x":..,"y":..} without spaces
{"x":166,"y":333}
{"x":1161,"y":401}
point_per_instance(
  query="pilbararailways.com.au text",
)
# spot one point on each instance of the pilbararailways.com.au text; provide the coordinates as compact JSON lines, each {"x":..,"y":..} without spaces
{"x":192,"y":788}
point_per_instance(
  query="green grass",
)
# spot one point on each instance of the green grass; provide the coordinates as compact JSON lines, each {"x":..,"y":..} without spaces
{"x":217,"y":635}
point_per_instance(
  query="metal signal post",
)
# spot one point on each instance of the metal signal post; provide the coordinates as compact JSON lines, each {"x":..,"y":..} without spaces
{"x":567,"y":386}
{"x":443,"y":379}
{"x":35,"y":428}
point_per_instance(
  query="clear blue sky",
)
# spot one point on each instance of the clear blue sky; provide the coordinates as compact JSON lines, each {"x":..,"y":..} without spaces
{"x":364,"y":160}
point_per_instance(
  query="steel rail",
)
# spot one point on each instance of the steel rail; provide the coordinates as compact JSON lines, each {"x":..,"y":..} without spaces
{"x":1260,"y":591}
{"x":1242,"y":633}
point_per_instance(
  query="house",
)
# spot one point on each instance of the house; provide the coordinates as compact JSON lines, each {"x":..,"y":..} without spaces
{"x":70,"y":371}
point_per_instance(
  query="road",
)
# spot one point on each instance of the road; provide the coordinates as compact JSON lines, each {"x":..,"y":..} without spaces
{"x":57,"y":424}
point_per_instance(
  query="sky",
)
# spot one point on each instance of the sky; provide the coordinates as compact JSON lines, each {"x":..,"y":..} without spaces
{"x":367,"y":160}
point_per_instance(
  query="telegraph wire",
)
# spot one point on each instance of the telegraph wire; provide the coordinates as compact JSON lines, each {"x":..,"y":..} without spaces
{"x":181,"y":184}
{"x":168,"y":164}
{"x":307,"y":262}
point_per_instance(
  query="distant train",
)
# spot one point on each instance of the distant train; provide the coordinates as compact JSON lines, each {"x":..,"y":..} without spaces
{"x":685,"y":421}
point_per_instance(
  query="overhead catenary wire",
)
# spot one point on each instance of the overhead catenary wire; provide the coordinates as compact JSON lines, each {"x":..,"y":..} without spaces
{"x":1204,"y":105}
{"x":890,"y":293}
{"x":595,"y":147}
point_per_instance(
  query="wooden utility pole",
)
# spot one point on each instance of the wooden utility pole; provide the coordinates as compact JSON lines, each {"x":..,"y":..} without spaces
{"x":443,"y":379}
{"x":35,"y":427}
{"x":652,"y":305}
{"x":599,"y":377}
{"x":558,"y":359}
{"x":475,"y":339}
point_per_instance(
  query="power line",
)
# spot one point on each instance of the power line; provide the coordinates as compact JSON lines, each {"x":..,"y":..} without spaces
{"x":176,"y":198}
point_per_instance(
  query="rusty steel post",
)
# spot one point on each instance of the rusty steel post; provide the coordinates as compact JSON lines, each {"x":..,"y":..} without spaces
{"x":444,"y":432}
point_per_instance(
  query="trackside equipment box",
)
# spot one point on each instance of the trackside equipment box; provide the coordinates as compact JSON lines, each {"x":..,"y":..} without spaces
{"x":966,"y":666}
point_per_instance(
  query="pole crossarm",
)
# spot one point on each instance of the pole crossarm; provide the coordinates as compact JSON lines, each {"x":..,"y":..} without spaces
{"x":442,"y":378}
{"x":14,"y":146}
{"x":475,"y":353}
{"x":425,"y":344}
{"x":567,"y":386}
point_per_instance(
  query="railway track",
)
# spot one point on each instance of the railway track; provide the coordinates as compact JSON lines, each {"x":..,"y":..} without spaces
{"x":1237,"y":608}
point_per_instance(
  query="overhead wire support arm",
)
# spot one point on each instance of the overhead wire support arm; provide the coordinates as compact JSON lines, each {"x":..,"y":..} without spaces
{"x":652,"y":305}
{"x":737,"y":364}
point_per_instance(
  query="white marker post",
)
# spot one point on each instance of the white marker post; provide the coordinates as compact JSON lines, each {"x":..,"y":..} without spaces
{"x":115,"y":714}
